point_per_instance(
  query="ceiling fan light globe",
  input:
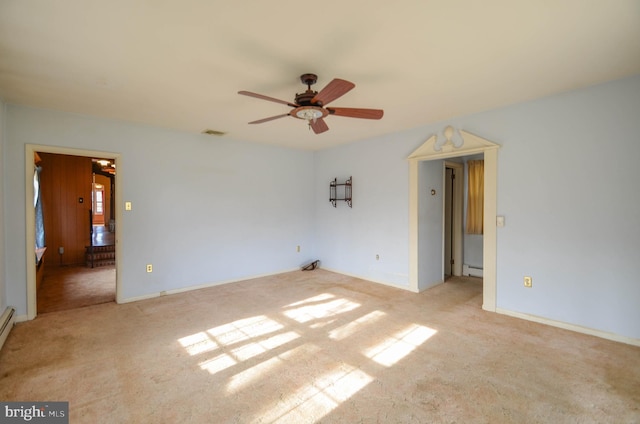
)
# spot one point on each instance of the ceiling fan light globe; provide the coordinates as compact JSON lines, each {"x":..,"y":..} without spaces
{"x":309,"y":114}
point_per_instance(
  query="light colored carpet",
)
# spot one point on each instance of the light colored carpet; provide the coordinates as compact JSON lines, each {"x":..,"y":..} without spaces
{"x":307,"y":347}
{"x":71,"y":287}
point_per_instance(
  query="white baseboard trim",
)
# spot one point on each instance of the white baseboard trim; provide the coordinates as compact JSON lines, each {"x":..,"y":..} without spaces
{"x":571,"y":327}
{"x":137,"y":298}
{"x":436,"y":284}
{"x":384,"y":283}
{"x":198,"y":287}
{"x":472,"y":271}
{"x":528,"y":317}
{"x":7,"y":321}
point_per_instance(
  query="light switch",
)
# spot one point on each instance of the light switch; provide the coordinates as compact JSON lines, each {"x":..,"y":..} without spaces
{"x":127,"y":206}
{"x":500,"y":221}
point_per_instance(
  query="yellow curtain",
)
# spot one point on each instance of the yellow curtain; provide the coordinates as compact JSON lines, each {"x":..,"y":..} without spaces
{"x":475,"y":196}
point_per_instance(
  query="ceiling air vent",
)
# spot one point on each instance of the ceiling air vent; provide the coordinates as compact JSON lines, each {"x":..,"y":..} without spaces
{"x":213,"y":132}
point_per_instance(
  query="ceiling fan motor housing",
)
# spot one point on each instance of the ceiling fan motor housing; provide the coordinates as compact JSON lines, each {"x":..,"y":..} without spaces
{"x":304,"y":99}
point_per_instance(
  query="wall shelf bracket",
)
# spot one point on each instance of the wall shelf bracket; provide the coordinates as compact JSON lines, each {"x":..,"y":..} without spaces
{"x":340,"y":191}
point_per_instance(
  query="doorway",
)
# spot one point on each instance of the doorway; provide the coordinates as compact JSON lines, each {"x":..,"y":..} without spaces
{"x":433,"y":149}
{"x":66,"y":276}
{"x":78,"y":265}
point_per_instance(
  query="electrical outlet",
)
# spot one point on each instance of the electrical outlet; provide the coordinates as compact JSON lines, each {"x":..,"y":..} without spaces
{"x":298,"y":249}
{"x":528,"y":281}
{"x":149,"y":268}
{"x":377,"y":257}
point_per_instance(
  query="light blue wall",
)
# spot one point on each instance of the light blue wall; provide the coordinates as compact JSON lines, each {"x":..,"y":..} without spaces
{"x":568,"y":179}
{"x":348,"y":239}
{"x":3,"y":269}
{"x":430,"y":223}
{"x":567,"y":186}
{"x":205,"y":209}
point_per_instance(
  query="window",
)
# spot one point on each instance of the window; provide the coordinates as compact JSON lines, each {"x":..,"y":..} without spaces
{"x":99,"y":200}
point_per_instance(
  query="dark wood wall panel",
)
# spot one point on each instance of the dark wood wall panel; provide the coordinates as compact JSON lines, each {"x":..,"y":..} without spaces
{"x":64,"y":180}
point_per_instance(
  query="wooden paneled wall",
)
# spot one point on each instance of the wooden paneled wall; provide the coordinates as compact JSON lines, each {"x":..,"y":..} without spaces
{"x":65,"y":180}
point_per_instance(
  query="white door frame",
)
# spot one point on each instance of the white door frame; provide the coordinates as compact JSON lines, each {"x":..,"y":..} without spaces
{"x":30,"y":149}
{"x":471,"y":144}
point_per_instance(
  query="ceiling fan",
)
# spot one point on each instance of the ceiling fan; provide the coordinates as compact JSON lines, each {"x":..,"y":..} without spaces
{"x":311,"y":105}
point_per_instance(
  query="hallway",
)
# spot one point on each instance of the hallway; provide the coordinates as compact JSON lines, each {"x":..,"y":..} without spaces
{"x":71,"y":287}
{"x":77,"y":286}
{"x":102,"y":236}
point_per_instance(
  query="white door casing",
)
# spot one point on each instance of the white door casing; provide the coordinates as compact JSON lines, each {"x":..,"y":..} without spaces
{"x":30,"y":149}
{"x":434,"y":149}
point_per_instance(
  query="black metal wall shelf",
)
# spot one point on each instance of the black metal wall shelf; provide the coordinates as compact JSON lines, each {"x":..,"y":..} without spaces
{"x":345,"y":191}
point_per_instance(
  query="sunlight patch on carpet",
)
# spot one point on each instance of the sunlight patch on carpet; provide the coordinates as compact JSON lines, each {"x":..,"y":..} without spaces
{"x":349,"y":329}
{"x":237,"y":341}
{"x":306,"y":313}
{"x":232,"y":333}
{"x":217,"y":364}
{"x":248,"y":351}
{"x":245,"y":352}
{"x":255,"y":373}
{"x":318,"y":398}
{"x":268,"y":367}
{"x":396,"y":347}
{"x":244,"y":329}
{"x":318,"y":298}
{"x":198,"y":343}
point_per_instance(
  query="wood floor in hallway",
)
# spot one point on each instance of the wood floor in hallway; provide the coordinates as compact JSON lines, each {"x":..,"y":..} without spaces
{"x":70,"y":287}
{"x":77,"y":286}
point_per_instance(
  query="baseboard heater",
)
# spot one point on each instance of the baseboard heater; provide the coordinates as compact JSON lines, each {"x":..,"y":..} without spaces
{"x":6,"y":324}
{"x":471,"y":271}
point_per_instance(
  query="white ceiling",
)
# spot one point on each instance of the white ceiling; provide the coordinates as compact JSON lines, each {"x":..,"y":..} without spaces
{"x":180,"y":64}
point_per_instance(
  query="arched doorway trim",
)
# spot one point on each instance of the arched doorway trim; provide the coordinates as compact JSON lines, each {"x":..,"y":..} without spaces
{"x":455,"y":144}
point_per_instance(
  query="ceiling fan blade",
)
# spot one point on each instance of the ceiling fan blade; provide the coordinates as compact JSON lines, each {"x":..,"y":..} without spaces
{"x":319,"y":126}
{"x":263,"y":97}
{"x":271,"y":118}
{"x":351,"y":112}
{"x":336,"y":88}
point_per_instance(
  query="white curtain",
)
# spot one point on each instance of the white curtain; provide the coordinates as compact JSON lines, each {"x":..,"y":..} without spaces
{"x":37,"y":203}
